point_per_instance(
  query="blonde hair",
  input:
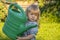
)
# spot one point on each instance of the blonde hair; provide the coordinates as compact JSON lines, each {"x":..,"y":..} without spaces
{"x":33,"y":7}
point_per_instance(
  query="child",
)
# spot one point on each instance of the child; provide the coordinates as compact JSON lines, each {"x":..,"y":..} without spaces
{"x":33,"y":16}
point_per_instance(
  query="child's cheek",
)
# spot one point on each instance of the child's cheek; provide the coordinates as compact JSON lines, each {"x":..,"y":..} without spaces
{"x":35,"y":18}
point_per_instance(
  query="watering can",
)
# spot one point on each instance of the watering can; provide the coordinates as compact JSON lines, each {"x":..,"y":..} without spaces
{"x":15,"y":22}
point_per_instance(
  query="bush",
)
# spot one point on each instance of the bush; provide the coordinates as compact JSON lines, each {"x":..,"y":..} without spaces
{"x":49,"y":31}
{"x":3,"y":12}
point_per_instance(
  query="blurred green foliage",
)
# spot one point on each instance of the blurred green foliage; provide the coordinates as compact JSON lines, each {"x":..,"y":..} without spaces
{"x":49,"y":31}
{"x":50,"y":10}
{"x":49,"y":20}
{"x":3,"y":12}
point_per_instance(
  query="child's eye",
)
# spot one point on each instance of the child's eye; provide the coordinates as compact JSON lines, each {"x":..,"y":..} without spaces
{"x":31,"y":13}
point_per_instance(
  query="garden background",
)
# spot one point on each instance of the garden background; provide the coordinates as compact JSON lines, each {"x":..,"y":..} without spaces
{"x":49,"y":27}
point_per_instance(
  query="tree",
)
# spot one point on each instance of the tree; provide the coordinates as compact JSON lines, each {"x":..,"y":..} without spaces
{"x":51,"y":7}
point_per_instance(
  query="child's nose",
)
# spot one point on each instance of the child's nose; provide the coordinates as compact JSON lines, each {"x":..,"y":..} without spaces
{"x":33,"y":16}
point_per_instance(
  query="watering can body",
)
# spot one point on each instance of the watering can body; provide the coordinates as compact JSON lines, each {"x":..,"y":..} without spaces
{"x":15,"y":22}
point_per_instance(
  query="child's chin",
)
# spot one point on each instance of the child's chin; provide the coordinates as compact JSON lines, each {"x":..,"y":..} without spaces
{"x":32,"y":20}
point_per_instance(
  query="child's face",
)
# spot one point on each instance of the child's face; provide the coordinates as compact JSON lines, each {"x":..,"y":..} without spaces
{"x":33,"y":15}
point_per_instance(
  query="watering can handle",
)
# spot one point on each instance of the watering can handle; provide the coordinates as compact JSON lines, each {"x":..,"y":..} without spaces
{"x":17,"y":6}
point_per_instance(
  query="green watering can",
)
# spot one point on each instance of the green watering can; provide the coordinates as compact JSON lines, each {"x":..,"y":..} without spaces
{"x":15,"y":22}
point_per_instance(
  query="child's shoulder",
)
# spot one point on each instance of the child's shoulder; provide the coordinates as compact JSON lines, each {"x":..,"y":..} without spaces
{"x":31,"y":22}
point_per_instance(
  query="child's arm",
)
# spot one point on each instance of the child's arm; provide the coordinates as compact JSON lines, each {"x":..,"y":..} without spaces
{"x":32,"y":35}
{"x":25,"y":38}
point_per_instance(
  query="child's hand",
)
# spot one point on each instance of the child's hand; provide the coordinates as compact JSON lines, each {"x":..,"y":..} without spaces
{"x":21,"y":38}
{"x":18,"y":38}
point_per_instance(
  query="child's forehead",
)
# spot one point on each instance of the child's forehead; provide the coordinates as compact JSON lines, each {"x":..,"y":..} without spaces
{"x":34,"y":11}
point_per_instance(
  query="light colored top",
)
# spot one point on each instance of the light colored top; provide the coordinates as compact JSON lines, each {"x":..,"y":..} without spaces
{"x":32,"y":31}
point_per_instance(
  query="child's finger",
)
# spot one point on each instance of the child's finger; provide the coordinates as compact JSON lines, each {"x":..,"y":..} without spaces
{"x":17,"y":39}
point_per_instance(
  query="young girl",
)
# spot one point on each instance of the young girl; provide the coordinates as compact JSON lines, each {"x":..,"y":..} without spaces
{"x":33,"y":15}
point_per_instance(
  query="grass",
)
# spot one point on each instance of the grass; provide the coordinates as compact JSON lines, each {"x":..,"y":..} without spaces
{"x":2,"y":35}
{"x":49,"y":31}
